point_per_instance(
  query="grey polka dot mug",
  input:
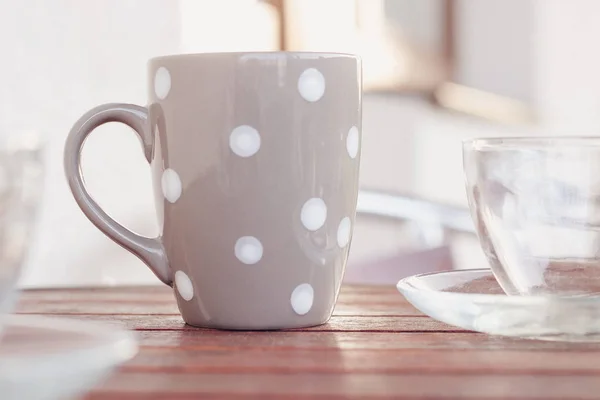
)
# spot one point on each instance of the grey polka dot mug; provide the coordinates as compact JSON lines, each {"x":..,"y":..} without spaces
{"x":255,"y":162}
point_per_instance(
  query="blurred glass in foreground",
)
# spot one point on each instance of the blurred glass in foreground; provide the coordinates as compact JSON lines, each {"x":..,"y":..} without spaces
{"x":21,"y":176}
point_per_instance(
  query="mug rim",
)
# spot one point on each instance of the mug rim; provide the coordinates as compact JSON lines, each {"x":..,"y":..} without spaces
{"x":526,"y":142}
{"x":257,"y":54}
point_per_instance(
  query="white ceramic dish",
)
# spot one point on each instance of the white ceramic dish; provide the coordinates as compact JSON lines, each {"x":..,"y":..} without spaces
{"x":473,"y":300}
{"x":45,"y":358}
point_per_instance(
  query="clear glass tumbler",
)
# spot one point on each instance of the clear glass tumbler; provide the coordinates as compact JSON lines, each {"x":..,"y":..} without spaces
{"x":536,"y":207}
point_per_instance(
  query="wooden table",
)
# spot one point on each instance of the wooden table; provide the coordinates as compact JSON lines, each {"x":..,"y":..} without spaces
{"x":375,"y":346}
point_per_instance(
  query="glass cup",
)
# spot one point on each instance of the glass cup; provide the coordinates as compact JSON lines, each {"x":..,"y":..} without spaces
{"x":535,"y":203}
{"x":21,"y":176}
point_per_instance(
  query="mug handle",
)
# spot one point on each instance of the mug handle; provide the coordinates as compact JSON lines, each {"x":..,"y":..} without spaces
{"x":149,"y":250}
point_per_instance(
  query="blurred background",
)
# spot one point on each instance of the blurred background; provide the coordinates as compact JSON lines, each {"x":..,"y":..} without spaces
{"x":436,"y":72}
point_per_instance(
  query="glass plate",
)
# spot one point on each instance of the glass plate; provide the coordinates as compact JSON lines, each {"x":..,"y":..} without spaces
{"x":473,"y":300}
{"x":44,"y":358}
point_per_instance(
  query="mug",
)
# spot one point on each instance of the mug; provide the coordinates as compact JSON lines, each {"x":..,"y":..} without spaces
{"x":255,"y":163}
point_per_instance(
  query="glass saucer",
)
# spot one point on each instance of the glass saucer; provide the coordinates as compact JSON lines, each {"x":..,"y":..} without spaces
{"x":44,"y":358}
{"x":473,"y":300}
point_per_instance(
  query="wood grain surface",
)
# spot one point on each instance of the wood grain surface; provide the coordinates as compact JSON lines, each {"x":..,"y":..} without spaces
{"x":375,"y":346}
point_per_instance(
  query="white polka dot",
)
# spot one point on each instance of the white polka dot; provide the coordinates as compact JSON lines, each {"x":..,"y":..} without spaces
{"x":311,"y":85}
{"x":313,"y":214}
{"x":248,"y":249}
{"x":171,"y":185}
{"x":343,"y":233}
{"x":184,"y":285}
{"x":352,"y":142}
{"x":162,"y":83}
{"x":302,"y":298}
{"x":244,"y":141}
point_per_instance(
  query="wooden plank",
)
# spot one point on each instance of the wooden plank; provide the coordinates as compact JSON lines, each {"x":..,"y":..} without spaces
{"x":337,"y":323}
{"x":169,"y":307}
{"x":348,"y":294}
{"x":380,"y":361}
{"x":108,"y":294}
{"x":98,"y":307}
{"x":367,"y":385}
{"x":260,"y":396}
{"x":347,"y":341}
{"x":353,"y":300}
{"x":399,"y":308}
